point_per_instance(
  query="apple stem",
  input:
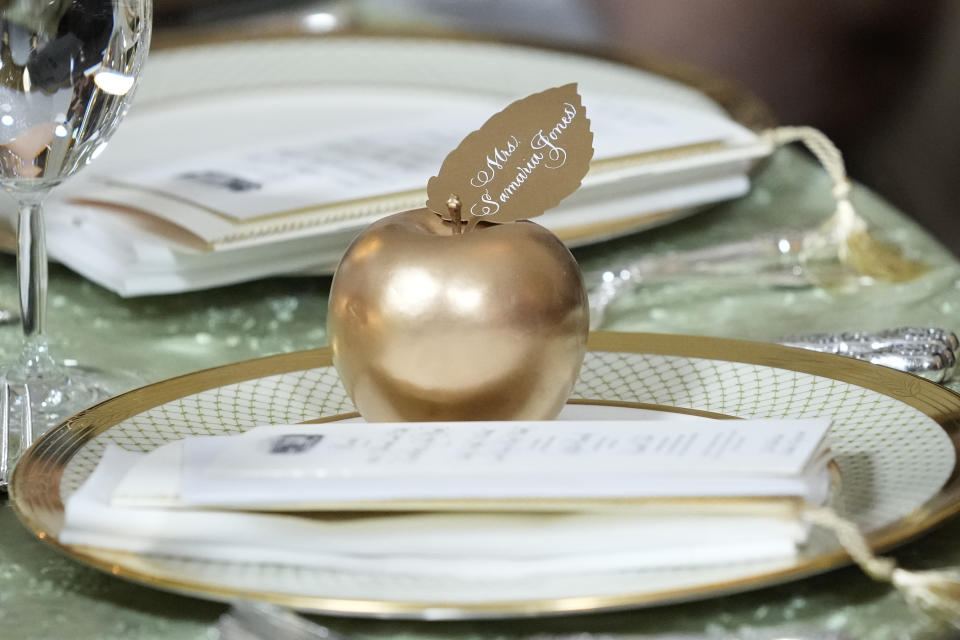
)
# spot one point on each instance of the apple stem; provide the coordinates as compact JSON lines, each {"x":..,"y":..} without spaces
{"x":453,"y":206}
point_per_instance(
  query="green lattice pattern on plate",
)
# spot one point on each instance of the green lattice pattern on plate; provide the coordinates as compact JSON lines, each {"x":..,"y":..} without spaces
{"x":892,"y":456}
{"x":280,"y":399}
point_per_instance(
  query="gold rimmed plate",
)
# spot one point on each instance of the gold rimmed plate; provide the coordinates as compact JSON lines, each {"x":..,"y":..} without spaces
{"x":894,"y":436}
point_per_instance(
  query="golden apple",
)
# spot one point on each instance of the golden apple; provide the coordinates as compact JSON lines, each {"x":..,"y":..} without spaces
{"x":426,"y":324}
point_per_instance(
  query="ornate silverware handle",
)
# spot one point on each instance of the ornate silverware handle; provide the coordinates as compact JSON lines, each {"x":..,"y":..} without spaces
{"x":928,"y":352}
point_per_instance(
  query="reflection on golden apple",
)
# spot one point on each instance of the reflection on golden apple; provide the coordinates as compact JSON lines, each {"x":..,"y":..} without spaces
{"x":428,"y":325}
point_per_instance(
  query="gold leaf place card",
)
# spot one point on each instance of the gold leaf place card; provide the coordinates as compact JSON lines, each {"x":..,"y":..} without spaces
{"x":521,"y":162}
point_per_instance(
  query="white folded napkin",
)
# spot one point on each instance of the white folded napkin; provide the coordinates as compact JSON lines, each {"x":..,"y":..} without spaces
{"x":460,"y":545}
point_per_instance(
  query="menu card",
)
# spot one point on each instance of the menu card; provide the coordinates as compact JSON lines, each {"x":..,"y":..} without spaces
{"x":467,"y":501}
{"x":213,"y":216}
{"x":484,"y":465}
{"x":235,"y":195}
{"x":480,"y":545}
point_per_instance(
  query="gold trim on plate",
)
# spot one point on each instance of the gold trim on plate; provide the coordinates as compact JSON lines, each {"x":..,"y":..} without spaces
{"x":35,"y":486}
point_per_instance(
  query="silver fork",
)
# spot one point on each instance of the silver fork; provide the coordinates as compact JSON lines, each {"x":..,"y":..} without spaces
{"x":248,"y":620}
{"x":25,"y":414}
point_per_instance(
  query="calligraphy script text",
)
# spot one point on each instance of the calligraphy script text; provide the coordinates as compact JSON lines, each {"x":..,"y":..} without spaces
{"x":545,"y":152}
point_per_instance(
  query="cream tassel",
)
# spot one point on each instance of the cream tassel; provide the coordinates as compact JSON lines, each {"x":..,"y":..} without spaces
{"x":936,"y":592}
{"x":845,"y":233}
{"x":833,"y":255}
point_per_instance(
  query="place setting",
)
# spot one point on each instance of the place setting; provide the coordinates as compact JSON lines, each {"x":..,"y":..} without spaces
{"x":468,"y":441}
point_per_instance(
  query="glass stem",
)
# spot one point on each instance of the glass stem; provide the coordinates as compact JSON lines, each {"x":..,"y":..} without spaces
{"x":32,"y":268}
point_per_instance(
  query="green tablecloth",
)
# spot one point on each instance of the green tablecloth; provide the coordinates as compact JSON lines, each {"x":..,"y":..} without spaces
{"x":44,"y":594}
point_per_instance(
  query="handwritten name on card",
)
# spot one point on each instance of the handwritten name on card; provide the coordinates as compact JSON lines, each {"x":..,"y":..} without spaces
{"x":521,"y":162}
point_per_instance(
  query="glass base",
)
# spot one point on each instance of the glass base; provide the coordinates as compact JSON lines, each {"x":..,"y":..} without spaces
{"x":36,"y":398}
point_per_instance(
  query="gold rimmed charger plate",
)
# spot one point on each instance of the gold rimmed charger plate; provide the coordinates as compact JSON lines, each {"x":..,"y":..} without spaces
{"x":895,"y":437}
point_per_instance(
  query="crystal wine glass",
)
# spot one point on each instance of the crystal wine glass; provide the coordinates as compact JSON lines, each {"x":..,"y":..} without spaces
{"x":68,"y":69}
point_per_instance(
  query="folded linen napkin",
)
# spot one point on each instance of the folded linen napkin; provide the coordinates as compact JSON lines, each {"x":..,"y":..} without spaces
{"x":460,"y":545}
